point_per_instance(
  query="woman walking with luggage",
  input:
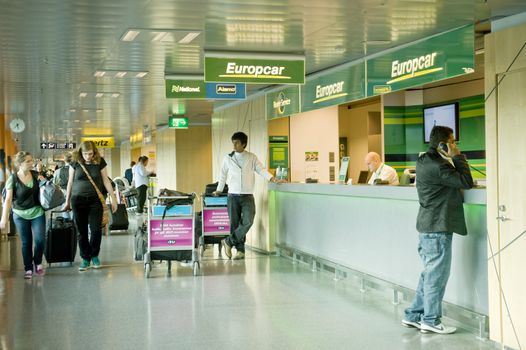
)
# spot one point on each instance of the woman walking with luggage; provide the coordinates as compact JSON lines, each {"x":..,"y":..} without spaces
{"x":88,"y":182}
{"x":22,"y":193}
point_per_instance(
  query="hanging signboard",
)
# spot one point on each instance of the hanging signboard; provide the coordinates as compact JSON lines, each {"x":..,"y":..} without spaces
{"x":339,"y":86}
{"x":283,"y":103}
{"x":253,"y":70}
{"x":226,"y":91}
{"x":188,"y":89}
{"x":100,"y":142}
{"x":439,"y":57}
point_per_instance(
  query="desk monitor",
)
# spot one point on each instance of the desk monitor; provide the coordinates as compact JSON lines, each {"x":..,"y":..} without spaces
{"x":364,"y":174}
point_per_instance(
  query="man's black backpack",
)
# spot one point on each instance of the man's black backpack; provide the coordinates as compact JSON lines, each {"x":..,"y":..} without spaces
{"x":210,"y":188}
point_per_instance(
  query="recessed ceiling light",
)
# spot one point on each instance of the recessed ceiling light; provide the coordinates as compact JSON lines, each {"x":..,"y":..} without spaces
{"x":159,"y":36}
{"x":120,"y":74}
{"x":130,"y":35}
{"x":87,"y":121}
{"x":98,"y":110}
{"x":99,"y":94}
{"x":72,"y":110}
{"x":99,"y":73}
{"x":83,"y":94}
{"x":115,"y":95}
{"x":189,"y":37}
{"x":141,"y":74}
{"x":77,"y":120}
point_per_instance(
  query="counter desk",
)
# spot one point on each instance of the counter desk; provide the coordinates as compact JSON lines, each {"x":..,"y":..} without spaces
{"x":372,"y":229}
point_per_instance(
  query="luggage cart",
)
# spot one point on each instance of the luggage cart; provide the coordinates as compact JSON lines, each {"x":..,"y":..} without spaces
{"x":215,"y":221}
{"x":171,"y":233}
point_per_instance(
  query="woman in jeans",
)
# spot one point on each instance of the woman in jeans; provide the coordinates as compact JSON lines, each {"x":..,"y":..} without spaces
{"x":22,"y":193}
{"x":83,"y":198}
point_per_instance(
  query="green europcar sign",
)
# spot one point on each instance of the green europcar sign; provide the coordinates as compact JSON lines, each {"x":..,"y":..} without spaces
{"x":440,"y":57}
{"x":336,"y":87}
{"x":187,"y":89}
{"x":254,"y":70}
{"x":283,"y":103}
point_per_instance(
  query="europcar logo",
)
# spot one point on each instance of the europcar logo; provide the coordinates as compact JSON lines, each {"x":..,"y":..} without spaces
{"x":280,"y":102}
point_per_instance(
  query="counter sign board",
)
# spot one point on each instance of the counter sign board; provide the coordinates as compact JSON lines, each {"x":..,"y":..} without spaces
{"x":439,"y":57}
{"x":339,"y":86}
{"x":254,"y":70}
{"x":283,"y":103}
{"x":100,"y":142}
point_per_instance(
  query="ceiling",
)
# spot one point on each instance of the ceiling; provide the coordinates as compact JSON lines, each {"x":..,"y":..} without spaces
{"x":50,"y":51}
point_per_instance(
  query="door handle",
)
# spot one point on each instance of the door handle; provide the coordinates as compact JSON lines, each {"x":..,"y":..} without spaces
{"x":503,"y":218}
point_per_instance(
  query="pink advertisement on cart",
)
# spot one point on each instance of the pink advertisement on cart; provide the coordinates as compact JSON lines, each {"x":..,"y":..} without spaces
{"x":171,"y":234}
{"x":215,"y":221}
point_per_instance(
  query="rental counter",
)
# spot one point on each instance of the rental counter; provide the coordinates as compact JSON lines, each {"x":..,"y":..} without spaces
{"x":371,"y":229}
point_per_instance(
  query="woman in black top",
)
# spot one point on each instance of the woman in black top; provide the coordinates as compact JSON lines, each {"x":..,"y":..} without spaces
{"x":82,"y":197}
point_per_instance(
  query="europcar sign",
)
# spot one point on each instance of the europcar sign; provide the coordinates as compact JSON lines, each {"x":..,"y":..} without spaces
{"x":254,"y":70}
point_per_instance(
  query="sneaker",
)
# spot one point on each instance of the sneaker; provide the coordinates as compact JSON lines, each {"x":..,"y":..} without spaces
{"x":439,"y":328}
{"x":84,"y":265}
{"x":410,"y":324}
{"x":227,"y":248}
{"x":239,"y":256}
{"x":28,"y":274}
{"x":40,"y":270}
{"x":96,"y":262}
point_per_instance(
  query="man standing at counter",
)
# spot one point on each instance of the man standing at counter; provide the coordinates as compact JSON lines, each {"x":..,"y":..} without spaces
{"x":238,"y":168}
{"x":441,"y":173}
{"x":380,"y":170}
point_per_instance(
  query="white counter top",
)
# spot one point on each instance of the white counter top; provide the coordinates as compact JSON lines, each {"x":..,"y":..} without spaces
{"x":473,"y":196}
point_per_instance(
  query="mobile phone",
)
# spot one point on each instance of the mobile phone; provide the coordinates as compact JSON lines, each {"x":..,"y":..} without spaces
{"x":444,"y":147}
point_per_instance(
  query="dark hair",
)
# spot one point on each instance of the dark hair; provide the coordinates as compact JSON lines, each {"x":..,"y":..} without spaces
{"x":439,"y":134}
{"x":143,"y":159}
{"x":68,"y":157}
{"x":132,"y":163}
{"x":241,"y":137}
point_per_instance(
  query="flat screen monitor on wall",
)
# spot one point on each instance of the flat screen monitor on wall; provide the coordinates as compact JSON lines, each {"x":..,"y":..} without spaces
{"x":445,"y":115}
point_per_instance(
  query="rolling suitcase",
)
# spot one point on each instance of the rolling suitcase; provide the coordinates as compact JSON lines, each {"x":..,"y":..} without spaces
{"x":119,"y":219}
{"x":61,"y":240}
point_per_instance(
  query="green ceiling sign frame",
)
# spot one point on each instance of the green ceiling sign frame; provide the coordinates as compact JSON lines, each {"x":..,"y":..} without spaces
{"x":436,"y":58}
{"x":283,"y":103}
{"x":335,"y":87}
{"x":187,"y":89}
{"x":255,"y":70}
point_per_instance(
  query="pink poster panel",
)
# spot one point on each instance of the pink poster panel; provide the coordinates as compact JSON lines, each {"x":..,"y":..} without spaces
{"x":215,"y":221}
{"x":171,"y":233}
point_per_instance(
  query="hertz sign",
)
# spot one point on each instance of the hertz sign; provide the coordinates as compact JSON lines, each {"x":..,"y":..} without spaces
{"x":100,"y":142}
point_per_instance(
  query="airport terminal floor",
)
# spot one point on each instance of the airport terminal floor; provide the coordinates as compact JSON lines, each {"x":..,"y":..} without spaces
{"x":262,"y":302}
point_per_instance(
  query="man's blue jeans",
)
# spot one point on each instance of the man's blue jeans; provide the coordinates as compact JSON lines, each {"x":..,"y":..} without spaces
{"x":241,"y":211}
{"x":31,"y":230}
{"x":435,"y":252}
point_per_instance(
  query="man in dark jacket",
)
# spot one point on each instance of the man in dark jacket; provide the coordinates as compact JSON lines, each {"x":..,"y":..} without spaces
{"x":441,"y":173}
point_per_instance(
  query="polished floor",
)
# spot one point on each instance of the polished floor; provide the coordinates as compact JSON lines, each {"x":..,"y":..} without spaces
{"x":262,"y":302}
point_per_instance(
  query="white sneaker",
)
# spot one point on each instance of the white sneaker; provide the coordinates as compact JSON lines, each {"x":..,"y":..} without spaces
{"x":411,"y":324}
{"x":439,"y":328}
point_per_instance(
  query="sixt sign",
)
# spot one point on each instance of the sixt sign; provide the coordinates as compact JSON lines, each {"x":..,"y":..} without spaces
{"x":226,"y":91}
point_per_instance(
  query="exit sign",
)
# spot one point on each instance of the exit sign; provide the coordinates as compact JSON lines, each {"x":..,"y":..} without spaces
{"x":178,"y":123}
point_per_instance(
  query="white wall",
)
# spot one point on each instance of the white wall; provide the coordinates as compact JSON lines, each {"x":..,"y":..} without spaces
{"x":314,"y":131}
{"x":166,"y":159}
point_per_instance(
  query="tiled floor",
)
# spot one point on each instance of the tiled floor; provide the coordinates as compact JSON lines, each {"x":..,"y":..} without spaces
{"x":262,"y":302}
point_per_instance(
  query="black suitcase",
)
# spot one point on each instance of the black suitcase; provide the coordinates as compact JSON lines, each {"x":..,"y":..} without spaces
{"x":119,"y":219}
{"x":61,"y":240}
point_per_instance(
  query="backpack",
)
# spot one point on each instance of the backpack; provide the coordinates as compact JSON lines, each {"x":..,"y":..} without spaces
{"x":4,"y":190}
{"x":63,"y":177}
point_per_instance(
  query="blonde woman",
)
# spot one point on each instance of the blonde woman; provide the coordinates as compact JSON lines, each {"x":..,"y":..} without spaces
{"x":22,"y":193}
{"x":87,"y":170}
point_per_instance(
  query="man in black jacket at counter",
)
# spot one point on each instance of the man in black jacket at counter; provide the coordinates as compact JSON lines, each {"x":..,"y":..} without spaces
{"x":441,"y":173}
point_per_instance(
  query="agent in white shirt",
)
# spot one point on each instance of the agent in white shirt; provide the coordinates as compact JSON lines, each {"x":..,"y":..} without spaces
{"x":380,"y":170}
{"x":238,"y":170}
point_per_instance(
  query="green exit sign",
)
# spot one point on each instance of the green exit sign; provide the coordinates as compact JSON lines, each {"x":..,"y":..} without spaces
{"x":178,"y":122}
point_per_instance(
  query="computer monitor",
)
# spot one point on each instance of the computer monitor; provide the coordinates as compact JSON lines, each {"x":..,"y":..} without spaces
{"x":362,"y":179}
{"x":445,"y":115}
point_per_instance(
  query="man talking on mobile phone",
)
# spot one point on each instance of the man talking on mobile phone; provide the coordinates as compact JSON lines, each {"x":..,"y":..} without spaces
{"x":441,"y":173}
